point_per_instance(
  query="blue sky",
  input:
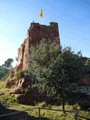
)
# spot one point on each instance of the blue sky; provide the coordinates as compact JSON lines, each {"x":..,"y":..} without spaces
{"x":73,"y":17}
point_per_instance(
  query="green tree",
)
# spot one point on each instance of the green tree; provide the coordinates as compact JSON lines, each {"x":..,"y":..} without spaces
{"x":8,"y":63}
{"x":54,"y":68}
{"x":5,"y":68}
{"x":72,"y":64}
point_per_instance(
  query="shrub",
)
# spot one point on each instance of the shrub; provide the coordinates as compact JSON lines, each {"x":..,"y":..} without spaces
{"x":20,"y":74}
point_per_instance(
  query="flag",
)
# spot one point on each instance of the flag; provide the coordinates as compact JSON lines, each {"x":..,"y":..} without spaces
{"x":41,"y":14}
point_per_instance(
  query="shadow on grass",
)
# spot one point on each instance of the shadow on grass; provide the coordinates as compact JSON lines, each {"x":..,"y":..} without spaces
{"x":18,"y":116}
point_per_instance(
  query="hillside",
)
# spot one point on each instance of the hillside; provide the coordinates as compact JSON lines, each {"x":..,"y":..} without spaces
{"x":9,"y":101}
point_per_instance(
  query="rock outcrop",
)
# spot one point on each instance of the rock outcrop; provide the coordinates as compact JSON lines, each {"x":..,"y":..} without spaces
{"x":23,"y":82}
{"x":25,"y":91}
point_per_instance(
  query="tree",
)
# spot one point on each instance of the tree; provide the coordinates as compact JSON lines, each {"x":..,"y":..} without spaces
{"x":8,"y":63}
{"x":41,"y":59}
{"x":5,"y":68}
{"x":54,"y":68}
{"x":73,"y":64}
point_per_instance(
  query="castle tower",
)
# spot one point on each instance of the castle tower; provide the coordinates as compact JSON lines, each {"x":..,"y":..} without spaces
{"x":35,"y":34}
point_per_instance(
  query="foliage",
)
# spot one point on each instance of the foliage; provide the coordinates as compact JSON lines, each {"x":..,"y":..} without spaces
{"x":8,"y":63}
{"x":20,"y":74}
{"x":41,"y":61}
{"x":73,"y":64}
{"x":6,"y":97}
{"x":5,"y":76}
{"x":55,"y":68}
{"x":5,"y":68}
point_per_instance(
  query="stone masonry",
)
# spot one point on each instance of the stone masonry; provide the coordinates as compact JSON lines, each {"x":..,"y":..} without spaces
{"x":35,"y":34}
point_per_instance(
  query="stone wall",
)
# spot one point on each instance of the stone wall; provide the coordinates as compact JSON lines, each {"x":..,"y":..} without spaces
{"x":35,"y":34}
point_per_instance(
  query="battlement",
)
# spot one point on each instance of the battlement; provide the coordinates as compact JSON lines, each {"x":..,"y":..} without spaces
{"x":37,"y":32}
{"x":50,"y":24}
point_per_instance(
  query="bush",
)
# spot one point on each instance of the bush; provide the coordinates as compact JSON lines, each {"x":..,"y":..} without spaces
{"x":20,"y":74}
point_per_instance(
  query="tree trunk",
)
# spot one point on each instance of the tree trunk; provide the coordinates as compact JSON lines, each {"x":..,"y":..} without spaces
{"x":63,"y":102}
{"x":63,"y":105}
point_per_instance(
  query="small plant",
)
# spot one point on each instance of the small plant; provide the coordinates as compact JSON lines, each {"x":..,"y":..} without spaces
{"x":20,"y":74}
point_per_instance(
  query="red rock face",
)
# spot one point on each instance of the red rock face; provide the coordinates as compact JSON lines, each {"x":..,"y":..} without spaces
{"x":23,"y":52}
{"x":36,"y":33}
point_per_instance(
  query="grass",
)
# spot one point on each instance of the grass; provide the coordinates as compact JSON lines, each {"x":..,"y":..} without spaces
{"x":10,"y":102}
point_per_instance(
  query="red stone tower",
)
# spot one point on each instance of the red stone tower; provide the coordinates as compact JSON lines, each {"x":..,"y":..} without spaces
{"x":35,"y":34}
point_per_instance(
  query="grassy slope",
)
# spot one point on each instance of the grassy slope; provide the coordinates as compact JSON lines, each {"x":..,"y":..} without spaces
{"x":9,"y":101}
